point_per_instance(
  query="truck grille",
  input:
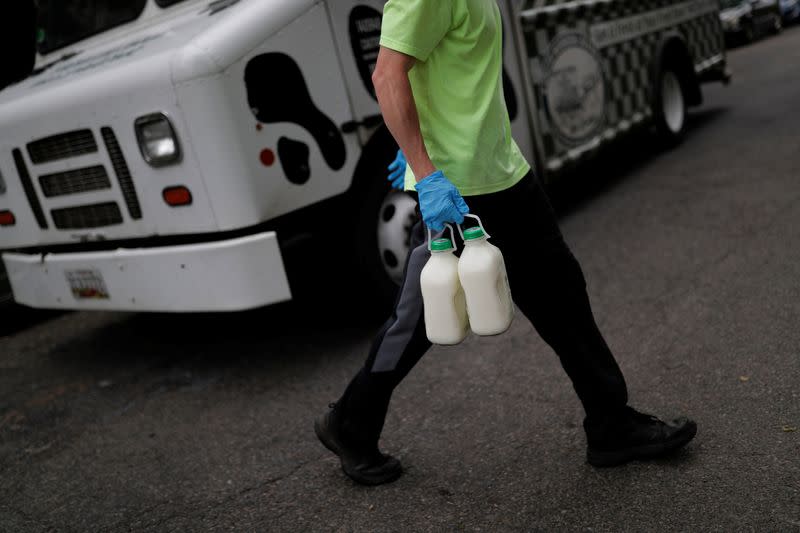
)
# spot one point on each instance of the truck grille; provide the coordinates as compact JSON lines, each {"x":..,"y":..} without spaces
{"x":75,"y":181}
{"x":94,"y":177}
{"x":27,"y":186}
{"x":87,"y":216}
{"x":123,"y":174}
{"x":61,"y":146}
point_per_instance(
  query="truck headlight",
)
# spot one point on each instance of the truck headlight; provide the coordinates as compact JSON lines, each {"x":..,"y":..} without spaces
{"x":157,"y":140}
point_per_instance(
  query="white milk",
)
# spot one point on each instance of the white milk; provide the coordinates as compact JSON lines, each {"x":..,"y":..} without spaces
{"x":446,"y":319}
{"x":482,"y":272}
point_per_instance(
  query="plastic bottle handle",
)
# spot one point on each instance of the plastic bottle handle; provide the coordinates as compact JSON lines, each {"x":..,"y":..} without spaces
{"x":476,"y":217}
{"x":452,"y":235}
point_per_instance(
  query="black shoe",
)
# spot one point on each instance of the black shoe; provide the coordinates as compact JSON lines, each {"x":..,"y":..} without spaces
{"x":362,"y":464}
{"x":634,"y":435}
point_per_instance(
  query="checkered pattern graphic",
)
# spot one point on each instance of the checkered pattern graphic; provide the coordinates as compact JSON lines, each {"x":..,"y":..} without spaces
{"x":626,"y":65}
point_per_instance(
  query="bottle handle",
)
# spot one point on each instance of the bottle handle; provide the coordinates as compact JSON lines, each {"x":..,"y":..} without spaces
{"x":452,"y":236}
{"x":476,"y":217}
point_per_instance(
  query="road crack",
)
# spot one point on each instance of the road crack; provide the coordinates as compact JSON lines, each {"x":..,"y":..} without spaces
{"x":277,"y":479}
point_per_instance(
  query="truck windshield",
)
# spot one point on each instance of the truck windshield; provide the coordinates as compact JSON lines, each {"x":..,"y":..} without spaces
{"x":63,"y":22}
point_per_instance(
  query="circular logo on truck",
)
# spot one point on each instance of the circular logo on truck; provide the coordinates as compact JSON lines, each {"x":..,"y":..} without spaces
{"x":575,"y":88}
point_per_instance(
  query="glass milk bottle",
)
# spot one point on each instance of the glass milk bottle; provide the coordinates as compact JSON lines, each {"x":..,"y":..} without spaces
{"x":482,"y":273}
{"x":443,"y":299}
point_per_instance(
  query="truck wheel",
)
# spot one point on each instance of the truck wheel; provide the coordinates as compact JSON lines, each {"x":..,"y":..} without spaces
{"x":396,"y":217}
{"x":669,"y":106}
{"x":777,"y":24}
{"x":384,"y":218}
{"x":6,"y":296}
{"x":748,"y":32}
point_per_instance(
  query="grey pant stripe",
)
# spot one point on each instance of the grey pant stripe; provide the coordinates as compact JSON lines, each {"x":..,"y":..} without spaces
{"x":409,"y":311}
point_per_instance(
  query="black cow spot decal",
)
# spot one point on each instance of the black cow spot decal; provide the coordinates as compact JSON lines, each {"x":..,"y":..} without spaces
{"x":277,"y":92}
{"x":294,"y":160}
{"x":365,"y":35}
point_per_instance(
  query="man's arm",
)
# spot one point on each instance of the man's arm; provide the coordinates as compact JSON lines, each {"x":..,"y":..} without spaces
{"x":399,"y":110}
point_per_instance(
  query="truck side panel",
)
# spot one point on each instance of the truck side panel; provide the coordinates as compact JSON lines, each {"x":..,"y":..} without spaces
{"x":356,"y":25}
{"x":280,"y":108}
{"x":590,"y":65}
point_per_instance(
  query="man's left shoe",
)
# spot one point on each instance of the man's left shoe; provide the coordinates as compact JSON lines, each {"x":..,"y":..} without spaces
{"x":634,"y":435}
{"x":361,"y":460}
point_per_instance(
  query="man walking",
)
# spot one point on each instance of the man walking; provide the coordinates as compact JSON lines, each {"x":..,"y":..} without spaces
{"x":439,"y":84}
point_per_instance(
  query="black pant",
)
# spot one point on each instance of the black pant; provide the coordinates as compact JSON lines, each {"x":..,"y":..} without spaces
{"x":547,"y":285}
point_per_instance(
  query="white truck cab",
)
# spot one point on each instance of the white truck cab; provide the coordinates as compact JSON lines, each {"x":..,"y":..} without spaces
{"x":163,"y":154}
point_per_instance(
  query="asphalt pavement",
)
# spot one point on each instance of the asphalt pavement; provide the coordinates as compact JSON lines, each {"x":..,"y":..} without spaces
{"x":118,"y":422}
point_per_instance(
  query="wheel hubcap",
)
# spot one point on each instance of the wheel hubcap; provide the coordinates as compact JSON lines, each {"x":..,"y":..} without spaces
{"x":395,"y":220}
{"x":672,"y":102}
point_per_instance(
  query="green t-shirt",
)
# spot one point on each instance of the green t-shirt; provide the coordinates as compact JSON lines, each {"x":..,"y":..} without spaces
{"x":458,"y":88}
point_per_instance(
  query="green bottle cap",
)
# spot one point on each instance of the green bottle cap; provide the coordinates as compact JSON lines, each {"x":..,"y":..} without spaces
{"x":441,"y":245}
{"x":473,"y":233}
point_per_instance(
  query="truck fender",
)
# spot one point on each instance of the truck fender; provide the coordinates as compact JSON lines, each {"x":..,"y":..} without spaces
{"x":672,"y":51}
{"x":378,"y":152}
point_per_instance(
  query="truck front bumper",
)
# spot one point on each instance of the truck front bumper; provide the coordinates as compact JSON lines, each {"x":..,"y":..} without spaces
{"x":230,"y":275}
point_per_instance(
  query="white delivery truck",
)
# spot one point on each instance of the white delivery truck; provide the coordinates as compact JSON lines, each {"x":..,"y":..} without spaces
{"x":165,"y":154}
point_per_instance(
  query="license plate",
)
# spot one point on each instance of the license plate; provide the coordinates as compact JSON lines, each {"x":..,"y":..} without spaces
{"x":87,"y":285}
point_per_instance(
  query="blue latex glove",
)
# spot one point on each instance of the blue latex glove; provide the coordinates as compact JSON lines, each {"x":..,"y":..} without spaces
{"x":397,"y":171}
{"x":440,"y":202}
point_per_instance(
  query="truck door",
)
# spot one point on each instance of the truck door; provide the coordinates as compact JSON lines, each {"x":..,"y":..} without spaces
{"x":357,"y":25}
{"x":357,"y":28}
{"x":567,"y":87}
{"x":514,"y":76}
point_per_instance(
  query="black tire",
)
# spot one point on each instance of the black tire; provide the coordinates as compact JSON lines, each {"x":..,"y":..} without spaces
{"x":777,"y":24}
{"x":748,"y":32}
{"x":669,"y":105}
{"x":6,"y":296}
{"x":378,"y":267}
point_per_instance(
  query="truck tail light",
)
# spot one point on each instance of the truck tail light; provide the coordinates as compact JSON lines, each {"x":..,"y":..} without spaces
{"x":7,"y":218}
{"x":177,"y":196}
